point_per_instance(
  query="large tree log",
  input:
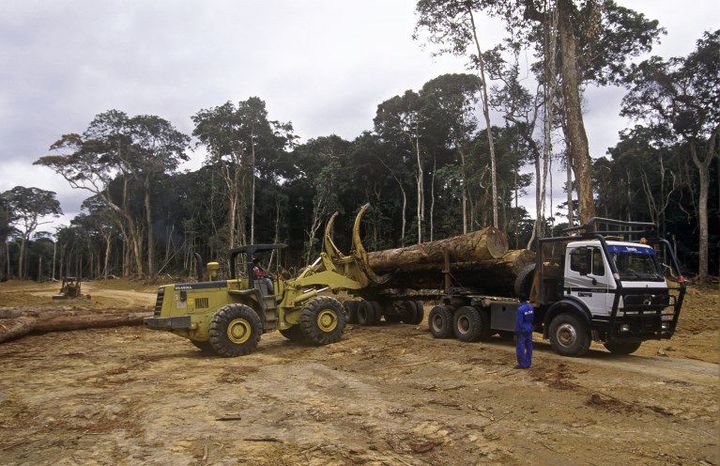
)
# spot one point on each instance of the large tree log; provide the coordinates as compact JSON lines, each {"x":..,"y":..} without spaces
{"x":15,"y":323}
{"x":492,"y":276}
{"x":486,"y":244}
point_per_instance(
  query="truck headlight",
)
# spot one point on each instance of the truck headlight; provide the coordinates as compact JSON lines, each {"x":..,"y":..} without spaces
{"x":624,"y":328}
{"x":665,"y":325}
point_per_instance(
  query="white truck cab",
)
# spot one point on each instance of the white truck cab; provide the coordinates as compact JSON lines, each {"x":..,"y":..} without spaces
{"x":607,"y":286}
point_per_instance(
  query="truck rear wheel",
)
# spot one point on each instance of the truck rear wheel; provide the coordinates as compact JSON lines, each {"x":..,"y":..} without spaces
{"x":622,"y":347}
{"x":235,"y":330}
{"x":322,"y":320}
{"x":467,"y":324}
{"x":440,"y":322}
{"x":377,"y":315}
{"x":569,"y":335}
{"x":293,"y":333}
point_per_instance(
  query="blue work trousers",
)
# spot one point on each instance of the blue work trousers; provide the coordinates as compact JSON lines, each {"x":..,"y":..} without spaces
{"x":523,"y":349}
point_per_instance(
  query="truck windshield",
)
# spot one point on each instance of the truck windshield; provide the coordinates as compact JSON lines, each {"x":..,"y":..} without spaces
{"x":635,"y":263}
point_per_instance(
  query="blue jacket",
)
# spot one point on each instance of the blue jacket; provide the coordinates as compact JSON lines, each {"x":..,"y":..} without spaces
{"x":524,"y":318}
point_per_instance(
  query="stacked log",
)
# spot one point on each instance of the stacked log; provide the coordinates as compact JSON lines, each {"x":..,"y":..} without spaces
{"x":479,"y":260}
{"x":15,"y":323}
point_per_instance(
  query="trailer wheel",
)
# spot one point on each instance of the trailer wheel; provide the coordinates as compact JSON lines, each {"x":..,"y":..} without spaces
{"x":622,"y":347}
{"x":235,"y":330}
{"x":419,"y":313}
{"x":440,"y":322}
{"x":569,"y":335}
{"x":378,"y":312}
{"x":365,"y":313}
{"x":393,"y":318}
{"x":322,"y":320}
{"x":467,"y":324}
{"x":293,"y":333}
{"x":351,"y":308}
{"x":407,"y":312}
{"x":523,"y":282}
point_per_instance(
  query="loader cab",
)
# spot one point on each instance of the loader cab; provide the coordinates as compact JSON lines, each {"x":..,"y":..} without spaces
{"x":248,"y":254}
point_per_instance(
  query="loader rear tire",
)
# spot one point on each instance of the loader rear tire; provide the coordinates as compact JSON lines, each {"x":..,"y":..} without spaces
{"x":322,"y":320}
{"x":293,"y":333}
{"x":440,"y":322}
{"x":235,"y":330}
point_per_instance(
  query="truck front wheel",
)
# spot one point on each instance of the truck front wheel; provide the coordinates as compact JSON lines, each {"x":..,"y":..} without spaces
{"x":622,"y":347}
{"x":569,"y":335}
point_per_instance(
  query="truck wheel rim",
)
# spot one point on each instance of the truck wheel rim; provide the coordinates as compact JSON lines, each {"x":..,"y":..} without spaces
{"x":566,"y":335}
{"x":327,"y":320}
{"x":239,"y":331}
{"x":463,"y":324}
{"x":437,"y":322}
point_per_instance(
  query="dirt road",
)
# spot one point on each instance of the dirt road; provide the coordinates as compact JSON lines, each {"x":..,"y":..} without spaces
{"x":383,"y":395}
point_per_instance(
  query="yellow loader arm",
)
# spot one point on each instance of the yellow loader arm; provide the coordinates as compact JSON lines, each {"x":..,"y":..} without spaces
{"x":334,"y":270}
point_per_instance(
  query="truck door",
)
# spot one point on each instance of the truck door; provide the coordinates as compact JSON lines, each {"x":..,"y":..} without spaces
{"x":586,"y":278}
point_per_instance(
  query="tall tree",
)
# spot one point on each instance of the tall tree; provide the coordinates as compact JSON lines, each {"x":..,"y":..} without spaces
{"x":679,"y":98}
{"x":451,"y":25}
{"x":157,"y":147}
{"x":29,"y":206}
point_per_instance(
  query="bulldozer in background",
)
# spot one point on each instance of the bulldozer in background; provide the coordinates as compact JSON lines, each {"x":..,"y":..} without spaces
{"x":228,"y":317}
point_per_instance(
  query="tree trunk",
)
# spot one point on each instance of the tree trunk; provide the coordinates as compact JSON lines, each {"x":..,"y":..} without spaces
{"x":21,"y":256}
{"x":150,"y":229}
{"x":488,"y":243}
{"x":486,"y":114}
{"x":108,"y":242}
{"x":571,"y":219}
{"x":495,"y":277}
{"x":420,"y":189}
{"x":703,"y":167}
{"x":15,"y":323}
{"x":252,"y":188}
{"x":575,"y":127}
{"x":432,"y":198}
{"x":52,"y":274}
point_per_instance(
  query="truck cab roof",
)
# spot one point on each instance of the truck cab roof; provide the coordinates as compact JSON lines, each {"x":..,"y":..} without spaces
{"x":595,"y":242}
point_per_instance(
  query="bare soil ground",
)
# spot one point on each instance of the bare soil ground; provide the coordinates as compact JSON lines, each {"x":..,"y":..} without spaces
{"x":383,"y":395}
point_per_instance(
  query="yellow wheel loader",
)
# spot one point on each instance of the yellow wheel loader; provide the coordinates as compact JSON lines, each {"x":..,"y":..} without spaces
{"x":228,"y":317}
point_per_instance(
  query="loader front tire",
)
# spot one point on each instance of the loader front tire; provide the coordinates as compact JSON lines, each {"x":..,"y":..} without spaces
{"x":322,"y":320}
{"x":235,"y":330}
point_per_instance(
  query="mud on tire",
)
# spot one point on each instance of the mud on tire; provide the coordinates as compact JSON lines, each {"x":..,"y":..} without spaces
{"x":440,"y":322}
{"x":235,"y":330}
{"x":322,"y":320}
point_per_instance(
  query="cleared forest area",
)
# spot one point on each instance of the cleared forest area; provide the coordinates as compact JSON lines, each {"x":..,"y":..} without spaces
{"x":382,"y":395}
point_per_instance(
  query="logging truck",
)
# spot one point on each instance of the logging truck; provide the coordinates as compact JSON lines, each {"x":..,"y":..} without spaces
{"x":602,"y":282}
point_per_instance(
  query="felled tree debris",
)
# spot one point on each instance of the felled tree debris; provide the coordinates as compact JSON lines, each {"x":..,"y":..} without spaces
{"x":17,"y":322}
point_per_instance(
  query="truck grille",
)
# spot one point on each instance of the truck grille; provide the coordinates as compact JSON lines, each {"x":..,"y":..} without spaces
{"x":159,"y":302}
{"x":201,"y":303}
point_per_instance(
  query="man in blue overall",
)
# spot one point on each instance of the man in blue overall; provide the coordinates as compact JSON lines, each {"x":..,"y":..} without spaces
{"x":523,"y":334}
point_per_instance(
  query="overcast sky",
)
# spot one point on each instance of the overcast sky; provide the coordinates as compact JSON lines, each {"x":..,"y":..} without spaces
{"x":323,"y":65}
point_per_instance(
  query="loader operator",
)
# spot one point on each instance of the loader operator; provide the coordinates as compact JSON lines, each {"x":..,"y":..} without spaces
{"x":523,"y":335}
{"x":260,"y":274}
